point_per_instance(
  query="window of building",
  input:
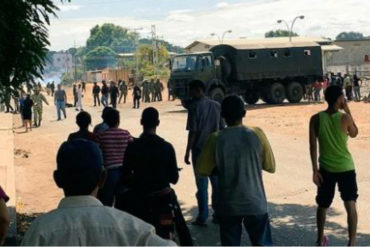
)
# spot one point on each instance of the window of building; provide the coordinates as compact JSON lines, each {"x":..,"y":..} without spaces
{"x":252,"y":55}
{"x":274,"y":54}
{"x":307,"y":52}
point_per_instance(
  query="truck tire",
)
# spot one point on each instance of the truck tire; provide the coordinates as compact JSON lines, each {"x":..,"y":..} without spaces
{"x":217,"y":94}
{"x":276,"y":94}
{"x":251,"y":97}
{"x":294,"y":92}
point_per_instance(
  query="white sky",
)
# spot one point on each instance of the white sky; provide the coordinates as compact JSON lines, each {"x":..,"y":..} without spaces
{"x":183,"y":21}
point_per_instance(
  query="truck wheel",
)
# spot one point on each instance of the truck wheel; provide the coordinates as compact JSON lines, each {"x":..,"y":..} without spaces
{"x":294,"y":92}
{"x":251,"y":97}
{"x":277,"y":93}
{"x":217,"y":94}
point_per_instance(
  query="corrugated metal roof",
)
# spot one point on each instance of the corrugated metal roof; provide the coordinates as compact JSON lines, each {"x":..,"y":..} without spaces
{"x":272,"y":45}
{"x":267,"y":41}
{"x":331,"y":48}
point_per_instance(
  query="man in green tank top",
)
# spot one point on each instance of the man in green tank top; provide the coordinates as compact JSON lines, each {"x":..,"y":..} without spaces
{"x":331,"y":129}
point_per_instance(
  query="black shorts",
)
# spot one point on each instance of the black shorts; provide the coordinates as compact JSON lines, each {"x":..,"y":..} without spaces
{"x":347,"y":186}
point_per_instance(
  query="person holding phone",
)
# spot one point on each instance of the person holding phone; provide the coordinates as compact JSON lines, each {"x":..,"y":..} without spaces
{"x":331,"y":128}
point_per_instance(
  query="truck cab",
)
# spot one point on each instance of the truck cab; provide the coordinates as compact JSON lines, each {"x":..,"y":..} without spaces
{"x":188,"y":67}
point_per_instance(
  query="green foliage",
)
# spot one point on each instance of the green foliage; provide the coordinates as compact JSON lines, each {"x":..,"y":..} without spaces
{"x":169,"y":46}
{"x":146,"y":61}
{"x":279,"y":33}
{"x":23,"y":40}
{"x":100,"y":57}
{"x":350,"y":36}
{"x":109,"y":35}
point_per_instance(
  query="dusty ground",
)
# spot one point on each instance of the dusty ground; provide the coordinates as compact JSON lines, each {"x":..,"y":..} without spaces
{"x":290,"y":191}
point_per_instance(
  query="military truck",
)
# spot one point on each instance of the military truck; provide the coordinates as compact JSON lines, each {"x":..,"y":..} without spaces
{"x":269,"y":71}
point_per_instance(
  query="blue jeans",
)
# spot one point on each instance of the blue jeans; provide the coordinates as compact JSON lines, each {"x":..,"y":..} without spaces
{"x":257,"y":227}
{"x":104,"y":100}
{"x":202,"y":192}
{"x":110,"y":188}
{"x":61,"y":106}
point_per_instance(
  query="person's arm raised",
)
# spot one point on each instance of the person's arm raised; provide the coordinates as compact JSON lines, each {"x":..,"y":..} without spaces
{"x":349,"y":123}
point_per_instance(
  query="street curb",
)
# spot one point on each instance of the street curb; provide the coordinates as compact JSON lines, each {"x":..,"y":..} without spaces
{"x":7,"y":176}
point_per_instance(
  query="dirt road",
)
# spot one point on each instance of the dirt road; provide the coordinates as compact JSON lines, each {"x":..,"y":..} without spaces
{"x":290,"y":191}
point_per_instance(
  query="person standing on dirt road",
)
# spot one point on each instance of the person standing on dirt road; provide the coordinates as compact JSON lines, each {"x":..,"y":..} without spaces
{"x":104,"y":94}
{"x":96,"y":92}
{"x":38,"y":98}
{"x":136,"y":95}
{"x":331,"y":128}
{"x":204,"y":118}
{"x":60,"y":100}
{"x":114,"y":94}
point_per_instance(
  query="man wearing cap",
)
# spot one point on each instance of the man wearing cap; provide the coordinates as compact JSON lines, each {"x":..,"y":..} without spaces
{"x":80,"y":218}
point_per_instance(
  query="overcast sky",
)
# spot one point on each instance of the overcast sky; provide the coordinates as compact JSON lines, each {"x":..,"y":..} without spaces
{"x":183,"y":21}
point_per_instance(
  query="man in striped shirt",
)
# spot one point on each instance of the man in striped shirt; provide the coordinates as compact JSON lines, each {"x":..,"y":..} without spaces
{"x":113,"y":143}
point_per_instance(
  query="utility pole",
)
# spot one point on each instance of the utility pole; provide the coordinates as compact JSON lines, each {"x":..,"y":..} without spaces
{"x":75,"y":63}
{"x":154,"y":48}
{"x":134,"y":30}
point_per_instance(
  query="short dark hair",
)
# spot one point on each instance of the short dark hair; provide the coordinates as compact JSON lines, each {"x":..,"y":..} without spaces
{"x":112,"y":118}
{"x":232,"y":109}
{"x":197,"y":84}
{"x":332,"y":93}
{"x":150,"y":118}
{"x":79,"y":167}
{"x":104,"y":113}
{"x":83,"y":119}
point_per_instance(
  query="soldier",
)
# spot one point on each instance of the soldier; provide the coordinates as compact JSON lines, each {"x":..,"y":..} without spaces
{"x":37,"y":99}
{"x":48,"y":88}
{"x":7,"y":99}
{"x":159,"y":89}
{"x":74,"y":89}
{"x":152,"y":90}
{"x":124,"y":90}
{"x":52,"y":88}
{"x":146,"y":92}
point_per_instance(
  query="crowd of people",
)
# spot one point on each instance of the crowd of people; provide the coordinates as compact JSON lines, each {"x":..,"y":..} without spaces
{"x":118,"y":188}
{"x":351,"y":84}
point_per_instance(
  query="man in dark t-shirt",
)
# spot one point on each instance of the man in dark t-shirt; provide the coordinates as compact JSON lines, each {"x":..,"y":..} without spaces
{"x":96,"y":92}
{"x":114,"y":93}
{"x":83,"y":120}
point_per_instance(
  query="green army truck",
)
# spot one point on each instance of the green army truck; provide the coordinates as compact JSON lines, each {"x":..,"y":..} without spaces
{"x":268,"y":71}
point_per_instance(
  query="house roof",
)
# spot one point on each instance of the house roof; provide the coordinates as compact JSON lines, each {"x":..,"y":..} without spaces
{"x":264,"y":41}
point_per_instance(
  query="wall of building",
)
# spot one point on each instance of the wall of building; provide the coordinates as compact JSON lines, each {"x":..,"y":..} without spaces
{"x":353,"y":58}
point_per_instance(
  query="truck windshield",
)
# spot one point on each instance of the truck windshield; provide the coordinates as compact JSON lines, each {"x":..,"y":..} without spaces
{"x":185,"y":63}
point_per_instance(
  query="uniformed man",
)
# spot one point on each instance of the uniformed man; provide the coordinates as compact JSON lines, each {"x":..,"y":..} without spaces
{"x":124,"y":90}
{"x":152,"y":90}
{"x":158,"y":90}
{"x":146,"y":92}
{"x":7,"y":99}
{"x":38,"y":100}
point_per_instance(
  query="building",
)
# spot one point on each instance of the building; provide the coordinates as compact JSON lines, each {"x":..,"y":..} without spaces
{"x":354,"y":57}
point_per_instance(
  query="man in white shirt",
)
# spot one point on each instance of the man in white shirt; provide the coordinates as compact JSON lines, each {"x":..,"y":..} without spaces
{"x":81,"y":219}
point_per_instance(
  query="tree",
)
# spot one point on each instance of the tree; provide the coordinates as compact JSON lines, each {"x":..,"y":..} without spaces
{"x":350,"y":36}
{"x":23,"y":40}
{"x":279,"y":33}
{"x":115,"y":37}
{"x":100,"y":57}
{"x":146,"y":60}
